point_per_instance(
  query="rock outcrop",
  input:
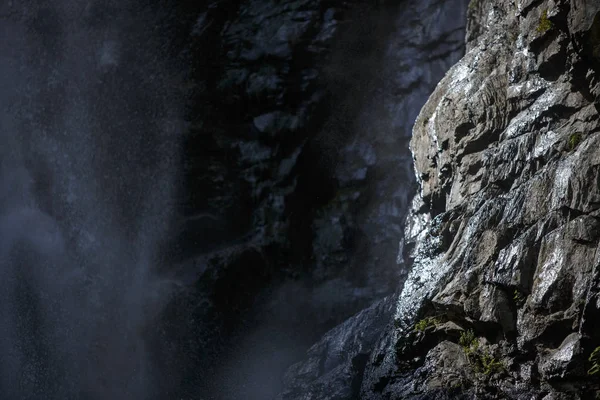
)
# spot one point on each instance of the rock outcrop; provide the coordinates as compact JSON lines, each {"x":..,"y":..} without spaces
{"x":502,"y":298}
{"x":423,"y":45}
{"x":298,"y":170}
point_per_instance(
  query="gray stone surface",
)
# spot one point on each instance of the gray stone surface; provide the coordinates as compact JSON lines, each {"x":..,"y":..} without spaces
{"x":502,"y":233}
{"x":506,"y":157}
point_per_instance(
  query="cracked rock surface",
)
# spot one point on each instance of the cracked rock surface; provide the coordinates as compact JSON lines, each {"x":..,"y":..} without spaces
{"x":502,"y":298}
{"x":506,"y":155}
{"x":298,"y":175}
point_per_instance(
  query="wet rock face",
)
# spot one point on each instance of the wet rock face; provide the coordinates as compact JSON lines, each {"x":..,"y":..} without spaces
{"x":297,"y":162}
{"x":334,"y":365}
{"x":505,"y":224}
{"x":425,"y":39}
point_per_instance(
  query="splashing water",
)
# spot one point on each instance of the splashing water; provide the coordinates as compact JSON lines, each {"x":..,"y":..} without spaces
{"x":88,"y":154}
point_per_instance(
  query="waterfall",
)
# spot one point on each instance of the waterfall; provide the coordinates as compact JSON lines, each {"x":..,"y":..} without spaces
{"x":88,"y":173}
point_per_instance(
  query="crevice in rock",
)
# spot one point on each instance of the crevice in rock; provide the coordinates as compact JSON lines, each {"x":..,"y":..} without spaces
{"x":381,"y":384}
{"x":359,"y":363}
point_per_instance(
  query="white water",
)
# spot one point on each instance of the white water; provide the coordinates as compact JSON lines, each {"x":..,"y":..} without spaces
{"x":87,"y":175}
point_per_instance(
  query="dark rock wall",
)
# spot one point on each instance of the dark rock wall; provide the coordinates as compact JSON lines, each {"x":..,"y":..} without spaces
{"x":427,"y":38}
{"x":298,"y":174}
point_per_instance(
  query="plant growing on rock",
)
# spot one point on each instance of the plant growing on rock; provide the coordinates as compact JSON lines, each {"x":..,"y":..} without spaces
{"x":574,"y":140}
{"x":545,"y":24}
{"x":489,"y":365}
{"x":425,"y":323}
{"x":481,"y":360}
{"x":518,"y":297}
{"x":468,"y":341}
{"x":594,"y":359}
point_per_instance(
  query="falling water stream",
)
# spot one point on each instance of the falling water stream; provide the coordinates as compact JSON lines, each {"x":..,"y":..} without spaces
{"x":90,"y":135}
{"x":88,"y":155}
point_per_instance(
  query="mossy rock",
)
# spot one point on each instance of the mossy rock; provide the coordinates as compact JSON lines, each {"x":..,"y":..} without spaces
{"x":545,"y":23}
{"x":574,"y":140}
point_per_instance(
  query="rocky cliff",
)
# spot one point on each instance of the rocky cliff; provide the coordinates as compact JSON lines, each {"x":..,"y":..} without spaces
{"x":298,"y":175}
{"x":503,"y":235}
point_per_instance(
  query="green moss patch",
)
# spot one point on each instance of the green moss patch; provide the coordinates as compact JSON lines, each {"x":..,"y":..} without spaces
{"x":545,"y":24}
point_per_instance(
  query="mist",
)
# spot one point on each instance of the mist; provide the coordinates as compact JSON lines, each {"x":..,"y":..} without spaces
{"x":88,"y":173}
{"x":142,"y":257}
